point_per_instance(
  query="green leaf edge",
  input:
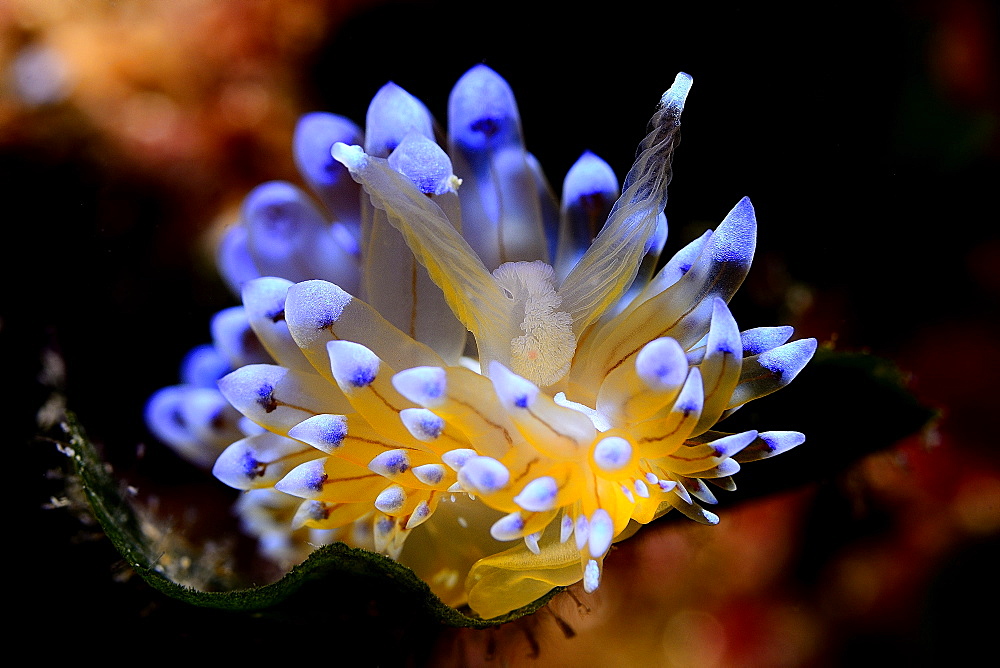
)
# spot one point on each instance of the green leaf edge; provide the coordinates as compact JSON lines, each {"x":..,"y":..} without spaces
{"x":118,"y":519}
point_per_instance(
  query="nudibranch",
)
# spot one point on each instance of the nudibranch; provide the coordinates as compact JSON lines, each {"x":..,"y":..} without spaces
{"x":585,"y":403}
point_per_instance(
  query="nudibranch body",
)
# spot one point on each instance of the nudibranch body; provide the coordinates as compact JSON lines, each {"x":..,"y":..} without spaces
{"x":591,"y":404}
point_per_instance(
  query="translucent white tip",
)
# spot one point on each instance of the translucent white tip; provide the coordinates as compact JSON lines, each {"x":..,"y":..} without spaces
{"x":678,"y":92}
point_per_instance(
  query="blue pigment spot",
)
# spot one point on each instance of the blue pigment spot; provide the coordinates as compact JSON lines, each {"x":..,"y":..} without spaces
{"x":318,"y":511}
{"x":317,"y":481}
{"x":611,"y":454}
{"x":521,"y":401}
{"x":433,"y":390}
{"x":326,"y":319}
{"x":252,"y":468}
{"x":265,"y":397}
{"x":487,"y":126}
{"x":281,"y":220}
{"x":178,"y":418}
{"x":687,"y":409}
{"x":334,"y":434}
{"x":396,"y":464}
{"x":775,"y":360}
{"x":363,"y":376}
{"x":433,"y":475}
{"x":432,"y":427}
{"x":685,"y":267}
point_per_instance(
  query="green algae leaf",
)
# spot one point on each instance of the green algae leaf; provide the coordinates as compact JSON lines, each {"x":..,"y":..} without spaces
{"x":335,"y":584}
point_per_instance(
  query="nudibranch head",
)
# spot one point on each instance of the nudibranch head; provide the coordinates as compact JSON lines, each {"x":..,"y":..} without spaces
{"x":590,"y":402}
{"x":544,"y":352}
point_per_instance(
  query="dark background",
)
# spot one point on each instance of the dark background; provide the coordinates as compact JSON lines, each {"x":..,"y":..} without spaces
{"x":866,"y":134}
